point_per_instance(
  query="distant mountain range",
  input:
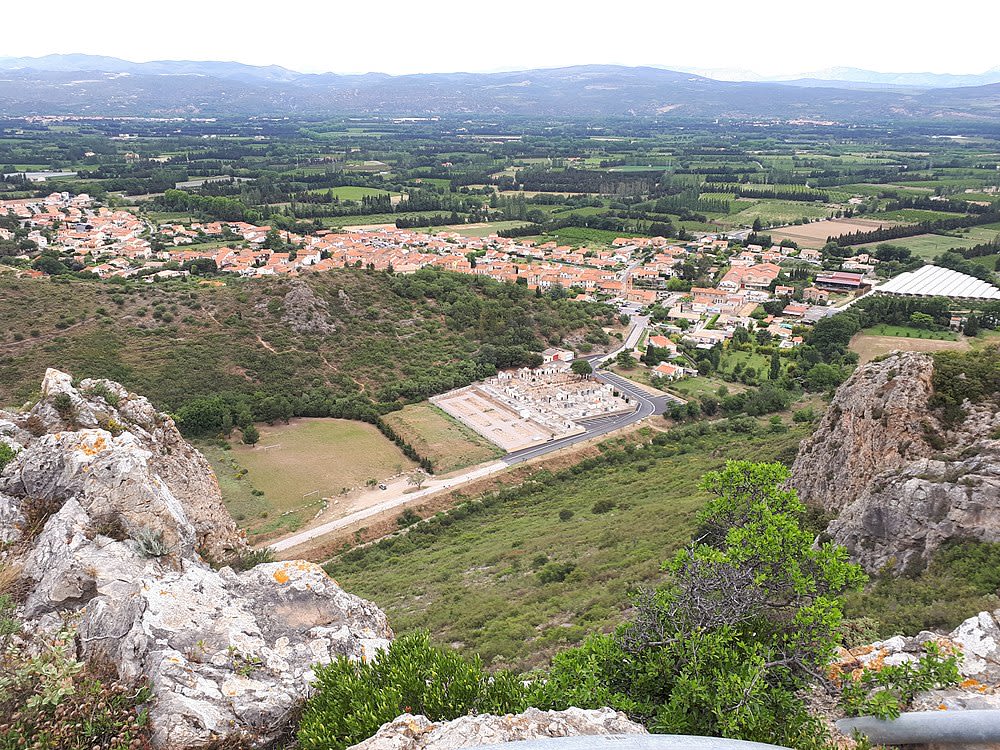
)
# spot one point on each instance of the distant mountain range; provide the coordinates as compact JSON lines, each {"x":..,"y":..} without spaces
{"x":94,"y":85}
{"x":854,"y":78}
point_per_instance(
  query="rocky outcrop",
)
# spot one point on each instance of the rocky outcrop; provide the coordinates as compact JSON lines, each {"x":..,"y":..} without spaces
{"x":976,"y":643}
{"x":900,"y":483}
{"x":410,"y":732}
{"x":875,"y":424}
{"x":304,"y":312}
{"x":112,"y":518}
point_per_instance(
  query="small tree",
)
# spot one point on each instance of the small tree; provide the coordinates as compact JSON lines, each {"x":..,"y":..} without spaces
{"x":251,"y":435}
{"x":625,"y":359}
{"x":582,"y":368}
{"x":749,"y":615}
{"x":417,"y":479}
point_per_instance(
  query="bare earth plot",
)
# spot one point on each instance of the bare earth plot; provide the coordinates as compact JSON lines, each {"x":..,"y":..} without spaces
{"x":448,"y":443}
{"x":493,"y":420}
{"x":815,"y":234}
{"x":309,"y":463}
{"x":869,"y":347}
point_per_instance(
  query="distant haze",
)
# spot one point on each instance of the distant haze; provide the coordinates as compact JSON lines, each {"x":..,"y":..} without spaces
{"x":727,"y":39}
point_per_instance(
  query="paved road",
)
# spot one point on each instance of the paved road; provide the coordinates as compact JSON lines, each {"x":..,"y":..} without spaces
{"x":646,"y":406}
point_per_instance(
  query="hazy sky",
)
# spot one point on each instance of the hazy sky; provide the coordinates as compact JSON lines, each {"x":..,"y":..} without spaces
{"x":769,"y":37}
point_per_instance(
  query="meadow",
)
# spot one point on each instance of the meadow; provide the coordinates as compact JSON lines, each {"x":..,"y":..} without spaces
{"x":295,"y":466}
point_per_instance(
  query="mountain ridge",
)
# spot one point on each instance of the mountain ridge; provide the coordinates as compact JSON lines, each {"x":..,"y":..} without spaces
{"x":93,"y":85}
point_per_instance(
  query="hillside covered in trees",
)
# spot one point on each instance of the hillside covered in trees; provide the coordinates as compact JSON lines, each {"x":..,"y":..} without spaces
{"x":351,"y":343}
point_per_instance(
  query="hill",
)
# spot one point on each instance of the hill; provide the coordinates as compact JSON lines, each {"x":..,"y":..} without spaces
{"x":518,"y":574}
{"x":285,"y":344}
{"x":85,"y":85}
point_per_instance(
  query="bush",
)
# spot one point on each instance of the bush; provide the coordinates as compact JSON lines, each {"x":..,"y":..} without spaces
{"x":407,"y":518}
{"x":6,"y":455}
{"x":555,"y":572}
{"x":353,"y":699}
{"x":250,"y":559}
{"x":603,"y":506}
{"x":887,"y":692}
{"x":49,"y":699}
{"x":565,"y":514}
{"x":750,"y":612}
{"x":150,"y":543}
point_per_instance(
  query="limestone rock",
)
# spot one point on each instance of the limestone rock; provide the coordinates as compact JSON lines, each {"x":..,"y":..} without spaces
{"x":873,"y":425}
{"x":119,"y":447}
{"x":123,"y":510}
{"x":229,"y":653}
{"x":901,"y":484}
{"x":409,"y":732}
{"x":304,"y":312}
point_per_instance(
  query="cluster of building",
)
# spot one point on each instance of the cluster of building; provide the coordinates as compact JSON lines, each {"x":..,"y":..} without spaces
{"x":520,"y":408}
{"x":113,"y":243}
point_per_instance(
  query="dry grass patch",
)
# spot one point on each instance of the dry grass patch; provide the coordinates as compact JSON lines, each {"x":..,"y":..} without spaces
{"x":448,"y":443}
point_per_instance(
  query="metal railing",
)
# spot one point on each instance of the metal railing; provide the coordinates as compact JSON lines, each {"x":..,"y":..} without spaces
{"x":633,"y":742}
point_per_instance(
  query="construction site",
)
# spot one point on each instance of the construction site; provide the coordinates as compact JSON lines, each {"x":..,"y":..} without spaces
{"x":522,"y":408}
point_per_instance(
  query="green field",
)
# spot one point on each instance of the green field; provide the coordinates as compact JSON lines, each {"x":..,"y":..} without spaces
{"x":353,"y":193}
{"x":347,"y":221}
{"x":475,"y":583}
{"x":299,"y":464}
{"x":579,"y":236}
{"x":448,"y":443}
{"x":772,"y":212}
{"x":883,"y":329}
{"x":484,"y":229}
{"x":927,"y":246}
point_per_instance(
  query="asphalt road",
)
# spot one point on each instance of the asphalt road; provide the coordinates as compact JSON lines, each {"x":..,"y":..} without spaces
{"x":646,"y":406}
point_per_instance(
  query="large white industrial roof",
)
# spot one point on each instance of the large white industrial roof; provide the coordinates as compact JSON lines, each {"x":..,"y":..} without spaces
{"x":934,"y":281}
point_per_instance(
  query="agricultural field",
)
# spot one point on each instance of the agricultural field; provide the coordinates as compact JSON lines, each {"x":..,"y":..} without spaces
{"x":352,"y":193}
{"x":482,"y":229}
{"x":539,"y":571}
{"x":448,"y":443}
{"x":815,"y":234}
{"x":773,"y":212}
{"x":869,"y":345}
{"x":299,"y":466}
{"x":582,"y":236}
{"x":927,"y":246}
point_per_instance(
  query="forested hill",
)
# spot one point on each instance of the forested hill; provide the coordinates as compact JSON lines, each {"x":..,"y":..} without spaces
{"x":349,"y":342}
{"x":86,"y":85}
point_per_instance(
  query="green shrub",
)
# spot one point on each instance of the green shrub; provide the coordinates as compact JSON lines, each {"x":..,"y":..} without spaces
{"x":750,"y":612}
{"x":887,"y":692}
{"x":353,"y":699}
{"x":603,"y":506}
{"x":6,"y":455}
{"x":554,"y":572}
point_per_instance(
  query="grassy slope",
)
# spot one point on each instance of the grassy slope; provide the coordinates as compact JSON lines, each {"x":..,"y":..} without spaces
{"x":476,"y":585}
{"x":226,"y":337}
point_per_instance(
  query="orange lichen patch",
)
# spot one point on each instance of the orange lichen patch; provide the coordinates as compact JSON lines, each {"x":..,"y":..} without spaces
{"x":861,"y":650}
{"x":969,"y":682}
{"x":98,"y":445}
{"x":942,"y":707}
{"x":284,"y":573}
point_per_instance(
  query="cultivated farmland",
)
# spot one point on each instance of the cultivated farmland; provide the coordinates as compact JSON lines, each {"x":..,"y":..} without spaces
{"x":816,"y":233}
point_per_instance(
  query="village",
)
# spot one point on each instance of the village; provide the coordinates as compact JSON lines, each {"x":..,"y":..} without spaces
{"x":638,"y":275}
